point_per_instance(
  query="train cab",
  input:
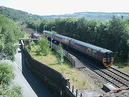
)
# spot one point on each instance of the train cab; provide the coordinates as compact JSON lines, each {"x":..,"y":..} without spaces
{"x":108,"y":59}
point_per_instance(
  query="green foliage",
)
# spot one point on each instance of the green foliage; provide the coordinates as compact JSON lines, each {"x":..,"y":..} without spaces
{"x":14,"y":91}
{"x":119,"y":38}
{"x":9,"y":35}
{"x":112,"y":34}
{"x":33,"y":24}
{"x":46,"y":24}
{"x":44,"y":47}
{"x":61,"y":53}
{"x":30,"y":45}
{"x":6,"y":76}
{"x":17,"y":15}
{"x":6,"y":73}
{"x":40,"y":48}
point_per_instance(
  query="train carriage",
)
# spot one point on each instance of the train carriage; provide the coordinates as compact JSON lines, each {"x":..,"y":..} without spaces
{"x":48,"y":34}
{"x":61,"y":39}
{"x":102,"y":55}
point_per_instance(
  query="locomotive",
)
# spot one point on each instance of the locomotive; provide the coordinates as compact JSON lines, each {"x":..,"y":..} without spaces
{"x":102,"y":55}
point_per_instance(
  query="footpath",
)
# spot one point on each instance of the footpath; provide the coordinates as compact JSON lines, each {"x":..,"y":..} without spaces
{"x":31,"y":85}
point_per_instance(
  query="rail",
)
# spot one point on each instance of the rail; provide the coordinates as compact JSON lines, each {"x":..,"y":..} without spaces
{"x":117,"y":78}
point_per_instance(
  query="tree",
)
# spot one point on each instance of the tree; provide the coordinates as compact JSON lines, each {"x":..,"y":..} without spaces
{"x":119,"y":38}
{"x":44,"y":47}
{"x":61,"y":53}
{"x":9,"y":35}
{"x":112,"y":34}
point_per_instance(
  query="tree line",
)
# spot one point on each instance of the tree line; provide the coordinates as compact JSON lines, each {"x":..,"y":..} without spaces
{"x":112,"y":34}
{"x":17,"y":15}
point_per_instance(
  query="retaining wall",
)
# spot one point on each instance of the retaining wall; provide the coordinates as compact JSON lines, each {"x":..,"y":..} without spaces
{"x":50,"y":76}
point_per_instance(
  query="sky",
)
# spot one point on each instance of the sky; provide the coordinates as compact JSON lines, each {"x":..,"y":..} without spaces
{"x":56,"y":7}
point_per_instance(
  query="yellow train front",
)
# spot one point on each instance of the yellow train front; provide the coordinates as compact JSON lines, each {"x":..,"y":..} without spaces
{"x":108,"y":59}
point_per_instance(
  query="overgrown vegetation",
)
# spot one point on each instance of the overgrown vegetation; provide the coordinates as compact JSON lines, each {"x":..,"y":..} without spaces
{"x":9,"y":35}
{"x":57,"y":62}
{"x":6,"y":76}
{"x":40,"y":47}
{"x":10,"y":32}
{"x":61,"y":53}
{"x":6,"y":73}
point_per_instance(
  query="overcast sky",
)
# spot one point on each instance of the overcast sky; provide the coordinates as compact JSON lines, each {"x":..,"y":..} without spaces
{"x":52,"y":7}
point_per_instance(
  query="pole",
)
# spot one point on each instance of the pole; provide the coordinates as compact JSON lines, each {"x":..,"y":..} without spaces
{"x":51,"y":35}
{"x":44,"y":29}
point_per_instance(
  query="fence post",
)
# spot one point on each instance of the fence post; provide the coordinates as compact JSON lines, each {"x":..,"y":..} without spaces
{"x":81,"y":95}
{"x":61,"y":93}
{"x":69,"y":85}
{"x":72,"y":89}
{"x":76,"y":92}
{"x":74,"y":62}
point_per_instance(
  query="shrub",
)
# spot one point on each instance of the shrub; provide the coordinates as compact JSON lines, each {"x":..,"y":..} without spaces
{"x":44,"y":48}
{"x":15,"y":91}
{"x":6,"y":73}
{"x":61,"y":53}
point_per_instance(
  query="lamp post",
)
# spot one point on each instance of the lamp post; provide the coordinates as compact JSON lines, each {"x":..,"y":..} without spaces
{"x":44,"y":29}
{"x":51,"y":36}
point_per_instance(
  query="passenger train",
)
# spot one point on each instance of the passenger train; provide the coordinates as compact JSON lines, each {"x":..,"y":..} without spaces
{"x":102,"y":55}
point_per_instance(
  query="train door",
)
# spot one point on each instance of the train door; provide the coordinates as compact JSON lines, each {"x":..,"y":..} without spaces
{"x":108,"y":59}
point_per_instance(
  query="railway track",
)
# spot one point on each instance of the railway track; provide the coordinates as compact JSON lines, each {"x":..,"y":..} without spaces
{"x":112,"y":75}
{"x":114,"y":78}
{"x":116,"y":71}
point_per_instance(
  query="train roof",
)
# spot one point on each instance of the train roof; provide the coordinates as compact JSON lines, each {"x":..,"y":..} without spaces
{"x":85,"y":44}
{"x":103,"y":50}
{"x":58,"y":35}
{"x":47,"y":32}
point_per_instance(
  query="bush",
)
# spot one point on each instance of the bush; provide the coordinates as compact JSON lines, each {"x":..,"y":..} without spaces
{"x":44,"y":47}
{"x":61,"y":53}
{"x":6,"y":76}
{"x":6,"y":73}
{"x":15,"y":91}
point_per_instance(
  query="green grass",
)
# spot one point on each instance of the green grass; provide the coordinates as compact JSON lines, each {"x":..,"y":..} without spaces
{"x":52,"y":59}
{"x":77,"y":78}
{"x":122,"y":65}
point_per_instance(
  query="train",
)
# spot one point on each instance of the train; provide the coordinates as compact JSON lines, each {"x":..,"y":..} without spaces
{"x":101,"y":55}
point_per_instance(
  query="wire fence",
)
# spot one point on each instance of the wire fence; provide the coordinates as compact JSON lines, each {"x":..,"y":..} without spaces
{"x":71,"y":58}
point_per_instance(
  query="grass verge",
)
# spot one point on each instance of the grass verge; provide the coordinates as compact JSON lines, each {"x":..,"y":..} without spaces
{"x":76,"y":77}
{"x":122,"y":65}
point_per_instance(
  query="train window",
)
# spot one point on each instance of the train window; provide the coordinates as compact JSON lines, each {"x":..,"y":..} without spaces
{"x":94,"y":52}
{"x":111,"y":54}
{"x":108,"y":55}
